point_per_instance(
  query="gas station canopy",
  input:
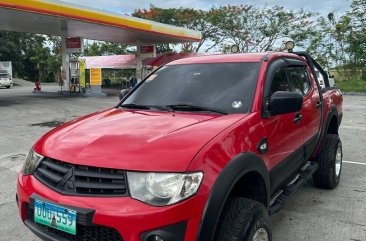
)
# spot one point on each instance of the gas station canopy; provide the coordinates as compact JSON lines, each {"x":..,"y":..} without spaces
{"x":55,"y":17}
{"x":128,"y":61}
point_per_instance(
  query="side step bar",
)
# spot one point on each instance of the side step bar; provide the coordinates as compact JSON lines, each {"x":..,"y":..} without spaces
{"x":281,"y":198}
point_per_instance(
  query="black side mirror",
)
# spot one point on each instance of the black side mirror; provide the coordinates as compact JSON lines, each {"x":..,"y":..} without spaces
{"x":283,"y":102}
{"x":123,"y":93}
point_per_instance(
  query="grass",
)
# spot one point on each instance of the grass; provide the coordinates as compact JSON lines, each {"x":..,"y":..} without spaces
{"x":352,"y":85}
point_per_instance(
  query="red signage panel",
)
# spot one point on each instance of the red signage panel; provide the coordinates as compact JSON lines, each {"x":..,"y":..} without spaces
{"x":73,"y":43}
{"x":147,"y":49}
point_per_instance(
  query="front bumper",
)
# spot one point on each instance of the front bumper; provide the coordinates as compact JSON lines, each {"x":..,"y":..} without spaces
{"x":6,"y":83}
{"x":132,"y":219}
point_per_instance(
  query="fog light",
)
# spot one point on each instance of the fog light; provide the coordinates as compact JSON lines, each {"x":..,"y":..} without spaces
{"x":174,"y":232}
{"x":154,"y":238}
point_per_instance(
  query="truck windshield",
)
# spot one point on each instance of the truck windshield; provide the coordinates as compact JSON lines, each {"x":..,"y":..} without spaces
{"x":224,"y":87}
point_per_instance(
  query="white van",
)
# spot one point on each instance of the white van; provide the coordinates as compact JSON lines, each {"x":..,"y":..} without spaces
{"x":5,"y":79}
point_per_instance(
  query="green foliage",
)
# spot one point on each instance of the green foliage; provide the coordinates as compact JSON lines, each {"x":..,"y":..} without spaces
{"x":251,"y":28}
{"x":30,"y":57}
{"x":335,"y":41}
{"x":38,"y":57}
{"x":352,"y":85}
{"x":341,"y":41}
{"x":262,"y":29}
{"x":200,"y":20}
{"x":100,"y":48}
{"x":13,"y":47}
{"x":357,"y":32}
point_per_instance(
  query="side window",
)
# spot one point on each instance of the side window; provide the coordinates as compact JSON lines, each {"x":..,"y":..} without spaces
{"x":299,"y":79}
{"x":279,"y":82}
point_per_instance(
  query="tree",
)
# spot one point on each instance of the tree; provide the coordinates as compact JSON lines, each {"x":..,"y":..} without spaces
{"x":54,"y":61}
{"x":259,"y":29}
{"x":39,"y":56}
{"x":327,"y":40}
{"x":340,"y":41}
{"x":12,"y":48}
{"x":33,"y":56}
{"x":357,"y":32}
{"x":203,"y":21}
{"x":251,"y":28}
{"x":100,"y":48}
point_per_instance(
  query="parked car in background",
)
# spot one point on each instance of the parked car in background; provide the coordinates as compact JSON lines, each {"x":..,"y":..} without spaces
{"x":321,"y":78}
{"x":331,"y":79}
{"x":5,"y":79}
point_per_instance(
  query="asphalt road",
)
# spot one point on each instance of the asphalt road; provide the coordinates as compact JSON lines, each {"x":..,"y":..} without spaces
{"x":312,"y":214}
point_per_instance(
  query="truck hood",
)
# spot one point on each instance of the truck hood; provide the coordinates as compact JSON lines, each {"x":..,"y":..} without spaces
{"x":134,"y":140}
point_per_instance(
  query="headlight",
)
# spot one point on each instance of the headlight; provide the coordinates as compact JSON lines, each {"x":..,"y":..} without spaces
{"x":161,"y":189}
{"x":31,"y":162}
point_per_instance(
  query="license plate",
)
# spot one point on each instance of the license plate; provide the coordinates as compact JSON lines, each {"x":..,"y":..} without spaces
{"x":54,"y":216}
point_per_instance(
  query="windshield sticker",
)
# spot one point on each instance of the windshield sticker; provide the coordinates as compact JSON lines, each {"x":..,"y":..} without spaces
{"x":151,"y":77}
{"x":237,"y":104}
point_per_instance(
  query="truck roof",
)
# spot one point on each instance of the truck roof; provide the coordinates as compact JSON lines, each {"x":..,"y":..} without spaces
{"x":231,"y":58}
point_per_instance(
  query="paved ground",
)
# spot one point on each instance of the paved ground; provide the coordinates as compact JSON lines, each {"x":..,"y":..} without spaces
{"x":312,"y":214}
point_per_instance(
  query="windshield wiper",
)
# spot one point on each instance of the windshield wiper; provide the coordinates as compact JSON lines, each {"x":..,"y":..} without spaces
{"x":189,"y":107}
{"x":185,"y":107}
{"x":146,"y":107}
{"x":162,"y":107}
{"x":135,"y":106}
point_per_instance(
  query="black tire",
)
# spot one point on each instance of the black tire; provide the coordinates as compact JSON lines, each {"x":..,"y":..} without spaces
{"x":241,"y":219}
{"x":8,"y":87}
{"x":327,"y":175}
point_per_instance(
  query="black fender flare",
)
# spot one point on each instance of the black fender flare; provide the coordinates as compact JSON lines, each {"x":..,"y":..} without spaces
{"x":229,"y":176}
{"x":331,"y":113}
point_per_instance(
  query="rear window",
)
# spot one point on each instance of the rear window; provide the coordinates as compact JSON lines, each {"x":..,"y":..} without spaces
{"x":225,"y":86}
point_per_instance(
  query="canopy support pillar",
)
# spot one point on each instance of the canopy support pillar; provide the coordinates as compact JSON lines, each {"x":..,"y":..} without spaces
{"x":138,"y":63}
{"x":65,"y":69}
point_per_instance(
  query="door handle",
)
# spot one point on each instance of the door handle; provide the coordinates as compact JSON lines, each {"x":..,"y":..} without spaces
{"x":297,"y":118}
{"x":318,"y":104}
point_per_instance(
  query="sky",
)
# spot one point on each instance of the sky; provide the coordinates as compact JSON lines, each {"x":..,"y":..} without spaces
{"x":128,"y":6}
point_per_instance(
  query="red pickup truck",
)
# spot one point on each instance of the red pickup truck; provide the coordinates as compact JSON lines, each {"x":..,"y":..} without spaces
{"x":205,"y":149}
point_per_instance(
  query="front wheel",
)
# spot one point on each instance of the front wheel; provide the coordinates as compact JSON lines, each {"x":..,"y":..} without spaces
{"x":244,"y":220}
{"x":8,"y":87}
{"x":330,"y":163}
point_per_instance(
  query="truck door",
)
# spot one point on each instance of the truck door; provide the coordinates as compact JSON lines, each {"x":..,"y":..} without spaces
{"x":284,"y":134}
{"x":304,"y":83}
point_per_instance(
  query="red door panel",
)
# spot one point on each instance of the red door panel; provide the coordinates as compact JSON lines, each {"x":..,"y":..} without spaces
{"x":284,"y":137}
{"x":311,"y":112}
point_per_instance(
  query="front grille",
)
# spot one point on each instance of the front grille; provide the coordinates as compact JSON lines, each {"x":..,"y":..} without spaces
{"x":83,"y":233}
{"x":70,"y":179}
